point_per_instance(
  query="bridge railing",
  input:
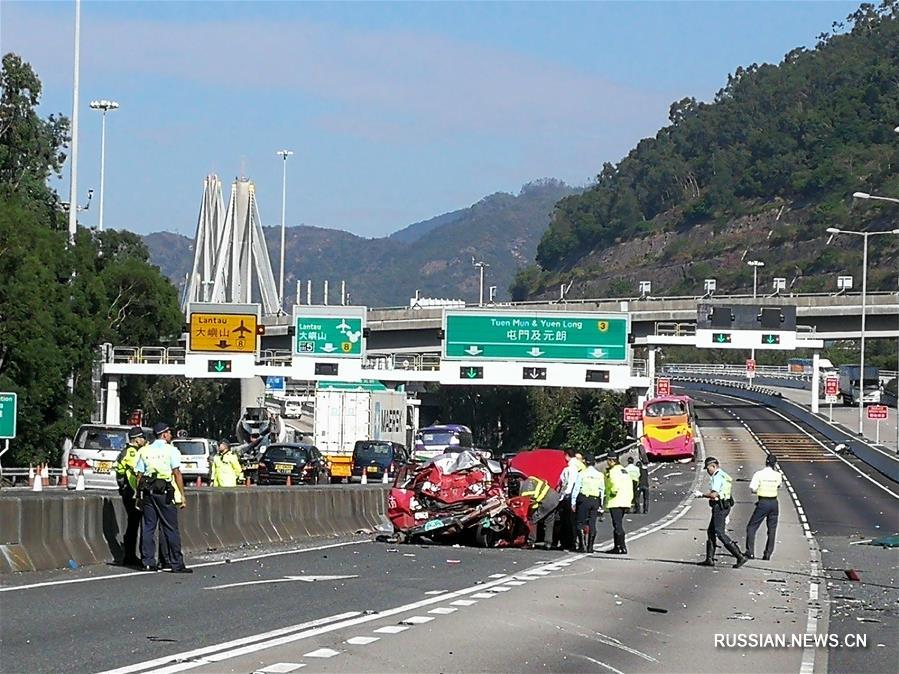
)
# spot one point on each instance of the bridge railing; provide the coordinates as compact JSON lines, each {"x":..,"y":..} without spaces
{"x":147,"y":355}
{"x":419,"y":362}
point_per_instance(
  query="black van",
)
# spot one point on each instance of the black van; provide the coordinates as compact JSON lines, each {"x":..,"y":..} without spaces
{"x":375,"y":457}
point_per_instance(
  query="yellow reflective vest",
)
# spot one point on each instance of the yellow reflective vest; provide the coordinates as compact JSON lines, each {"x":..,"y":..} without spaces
{"x":536,"y":488}
{"x":125,"y":464}
{"x":619,"y":488}
{"x":226,"y":470}
{"x":592,"y":482}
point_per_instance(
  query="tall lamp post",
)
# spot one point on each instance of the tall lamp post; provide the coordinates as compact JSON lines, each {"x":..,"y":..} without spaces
{"x":481,"y":266}
{"x":73,"y":174}
{"x":284,"y":154}
{"x":104,"y":106}
{"x":755,"y":264}
{"x":865,"y":236}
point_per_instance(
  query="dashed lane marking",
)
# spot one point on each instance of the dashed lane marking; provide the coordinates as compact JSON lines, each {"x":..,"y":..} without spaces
{"x":417,"y":620}
{"x":483,"y":595}
{"x":501,"y":588}
{"x":280,"y":668}
{"x":435,"y":592}
{"x":321,"y":653}
{"x":497,"y":575}
{"x":362,"y":641}
{"x":463,"y":602}
{"x":515,"y":583}
{"x":391,"y":629}
{"x":443,"y":610}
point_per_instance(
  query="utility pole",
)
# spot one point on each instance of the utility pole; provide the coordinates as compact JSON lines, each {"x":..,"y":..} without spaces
{"x":284,"y":154}
{"x":73,"y":175}
{"x":481,"y":267}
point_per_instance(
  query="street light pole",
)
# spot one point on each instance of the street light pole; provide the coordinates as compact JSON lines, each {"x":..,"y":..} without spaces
{"x":104,"y":106}
{"x":481,"y":265}
{"x":755,"y":264}
{"x":284,"y":155}
{"x":861,"y":374}
{"x":73,"y":175}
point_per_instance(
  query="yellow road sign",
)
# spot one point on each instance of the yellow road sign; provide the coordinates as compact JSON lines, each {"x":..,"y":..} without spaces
{"x":223,"y":333}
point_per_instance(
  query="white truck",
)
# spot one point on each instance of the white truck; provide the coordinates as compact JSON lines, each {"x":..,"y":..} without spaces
{"x":344,"y":415}
{"x":853,"y":386}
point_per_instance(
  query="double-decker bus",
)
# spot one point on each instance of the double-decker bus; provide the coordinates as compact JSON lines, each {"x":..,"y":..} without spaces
{"x":668,"y":428}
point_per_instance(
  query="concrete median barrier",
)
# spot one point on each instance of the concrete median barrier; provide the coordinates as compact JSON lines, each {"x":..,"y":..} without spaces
{"x":40,"y":531}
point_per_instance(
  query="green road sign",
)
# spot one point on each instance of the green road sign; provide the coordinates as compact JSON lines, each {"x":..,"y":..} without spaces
{"x":8,"y":404}
{"x":540,"y":336}
{"x":770,"y":339}
{"x":219,"y":366}
{"x":332,"y":336}
{"x":471,"y":372}
{"x":721,"y":338}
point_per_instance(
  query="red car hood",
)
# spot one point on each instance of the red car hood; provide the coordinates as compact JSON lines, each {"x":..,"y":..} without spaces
{"x":547,"y":464}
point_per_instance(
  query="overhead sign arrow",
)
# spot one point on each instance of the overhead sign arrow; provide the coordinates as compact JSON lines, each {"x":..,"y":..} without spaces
{"x":474,"y":351}
{"x":286,"y":579}
{"x":534,"y":372}
{"x":535,"y":352}
{"x":598,"y":353}
{"x":328,"y":348}
{"x":471,"y":373}
{"x":219,"y":366}
{"x":223,"y":344}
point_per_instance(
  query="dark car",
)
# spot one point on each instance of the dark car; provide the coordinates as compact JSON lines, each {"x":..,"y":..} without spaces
{"x":375,"y":457}
{"x":302,"y":463}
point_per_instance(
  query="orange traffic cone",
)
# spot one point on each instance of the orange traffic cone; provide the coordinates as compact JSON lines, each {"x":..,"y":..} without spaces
{"x":249,"y":482}
{"x":289,"y":483}
{"x":199,"y":482}
{"x":45,"y":475}
{"x":63,"y":479}
{"x":79,"y":485}
{"x":30,"y":475}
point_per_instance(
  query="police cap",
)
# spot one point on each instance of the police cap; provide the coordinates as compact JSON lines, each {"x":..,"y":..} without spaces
{"x":160,"y":428}
{"x":710,"y":460}
{"x":600,"y":457}
{"x":771,"y":460}
{"x":135,"y":432}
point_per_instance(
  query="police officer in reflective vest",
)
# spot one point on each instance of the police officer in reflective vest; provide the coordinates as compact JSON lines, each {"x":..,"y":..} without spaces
{"x":161,"y":492}
{"x":721,"y":501}
{"x":618,"y":497}
{"x":764,"y":484}
{"x":544,"y":506}
{"x":585,"y":499}
{"x":226,"y":470}
{"x":127,"y":480}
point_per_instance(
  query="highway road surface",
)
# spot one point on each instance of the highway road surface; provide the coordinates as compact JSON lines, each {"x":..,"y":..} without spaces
{"x":360,"y":605}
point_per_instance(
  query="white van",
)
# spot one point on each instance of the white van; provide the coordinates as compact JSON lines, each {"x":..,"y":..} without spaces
{"x":196,"y":455}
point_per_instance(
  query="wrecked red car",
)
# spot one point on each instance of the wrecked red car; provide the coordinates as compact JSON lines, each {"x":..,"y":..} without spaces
{"x":460,"y":497}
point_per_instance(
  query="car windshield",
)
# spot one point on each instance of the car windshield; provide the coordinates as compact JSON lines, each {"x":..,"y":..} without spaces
{"x":374,"y":450}
{"x":437,"y":438}
{"x":669,"y":408}
{"x":102,"y":438}
{"x":190,"y":447}
{"x":282,"y":453}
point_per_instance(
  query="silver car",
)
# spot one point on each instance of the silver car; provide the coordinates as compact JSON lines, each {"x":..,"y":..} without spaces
{"x":94,"y":451}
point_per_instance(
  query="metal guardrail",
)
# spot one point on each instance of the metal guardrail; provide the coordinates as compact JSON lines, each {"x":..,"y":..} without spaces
{"x":147,"y":355}
{"x":416,"y":362}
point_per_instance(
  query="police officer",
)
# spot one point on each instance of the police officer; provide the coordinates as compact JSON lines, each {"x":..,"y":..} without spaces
{"x":226,"y":470}
{"x":721,"y":501}
{"x":585,"y":499}
{"x":161,"y":489}
{"x":641,"y":500}
{"x":566,"y":516}
{"x":619,"y":494}
{"x":544,"y":506}
{"x":634,"y":472}
{"x":764,"y":484}
{"x":127,"y":481}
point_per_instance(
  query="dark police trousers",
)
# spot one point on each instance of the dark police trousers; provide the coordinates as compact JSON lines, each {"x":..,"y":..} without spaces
{"x":132,"y":526}
{"x":618,"y":528}
{"x":717,"y":531}
{"x":547,"y":513}
{"x":587,"y":509}
{"x":641,"y":499}
{"x":766,"y":509}
{"x":158,"y":511}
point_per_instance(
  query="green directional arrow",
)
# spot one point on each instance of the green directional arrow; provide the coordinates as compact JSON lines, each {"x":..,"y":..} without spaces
{"x":471,"y":373}
{"x":219,"y":366}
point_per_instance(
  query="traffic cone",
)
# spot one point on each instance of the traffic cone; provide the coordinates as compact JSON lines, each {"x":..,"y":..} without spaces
{"x":45,"y":475}
{"x":30,"y":475}
{"x":249,"y":482}
{"x":364,"y":477}
{"x":63,"y":479}
{"x":79,"y":484}
{"x":199,"y":482}
{"x":38,"y":483}
{"x":289,"y":483}
{"x":384,"y":478}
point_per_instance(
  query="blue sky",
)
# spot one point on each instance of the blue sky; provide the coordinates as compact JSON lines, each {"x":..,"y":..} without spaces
{"x":396,"y":112}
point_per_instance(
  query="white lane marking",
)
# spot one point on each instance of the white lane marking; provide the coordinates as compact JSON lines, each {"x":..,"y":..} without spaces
{"x":601,"y":664}
{"x":321,"y":653}
{"x":501,"y":588}
{"x":497,"y":575}
{"x":351,"y":622}
{"x":443,"y":610}
{"x":483,"y":595}
{"x":416,"y":620}
{"x":361,"y":641}
{"x":435,"y":592}
{"x":463,"y":602}
{"x":280,"y":668}
{"x":286,"y":579}
{"x":138,"y":574}
{"x":515,"y":583}
{"x":391,"y":629}
{"x":539,"y":572}
{"x":200,"y":652}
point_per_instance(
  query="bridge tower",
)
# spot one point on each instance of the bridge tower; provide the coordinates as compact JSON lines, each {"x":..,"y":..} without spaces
{"x":230,"y":252}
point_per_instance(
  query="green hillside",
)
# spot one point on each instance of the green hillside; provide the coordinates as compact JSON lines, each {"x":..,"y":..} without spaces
{"x":760,"y":172}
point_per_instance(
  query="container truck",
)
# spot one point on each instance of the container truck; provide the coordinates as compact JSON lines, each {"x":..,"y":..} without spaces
{"x":851,"y":389}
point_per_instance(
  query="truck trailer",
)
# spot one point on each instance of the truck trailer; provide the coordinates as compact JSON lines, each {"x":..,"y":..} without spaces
{"x":853,"y":387}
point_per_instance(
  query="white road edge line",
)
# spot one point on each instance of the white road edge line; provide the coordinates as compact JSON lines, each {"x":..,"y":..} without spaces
{"x":138,"y":574}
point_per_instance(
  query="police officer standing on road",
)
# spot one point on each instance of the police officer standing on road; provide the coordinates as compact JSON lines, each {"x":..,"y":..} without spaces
{"x":764,"y":484}
{"x":161,"y":489}
{"x":634,"y":472}
{"x":721,"y":500}
{"x":618,"y":498}
{"x":544,"y":506}
{"x":225,"y":469}
{"x":641,"y":500}
{"x":127,"y":480}
{"x":585,"y":499}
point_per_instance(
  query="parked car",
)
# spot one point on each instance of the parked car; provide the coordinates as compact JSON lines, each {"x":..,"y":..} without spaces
{"x":375,"y":457}
{"x":94,"y":451}
{"x":196,"y":455}
{"x":302,"y":463}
